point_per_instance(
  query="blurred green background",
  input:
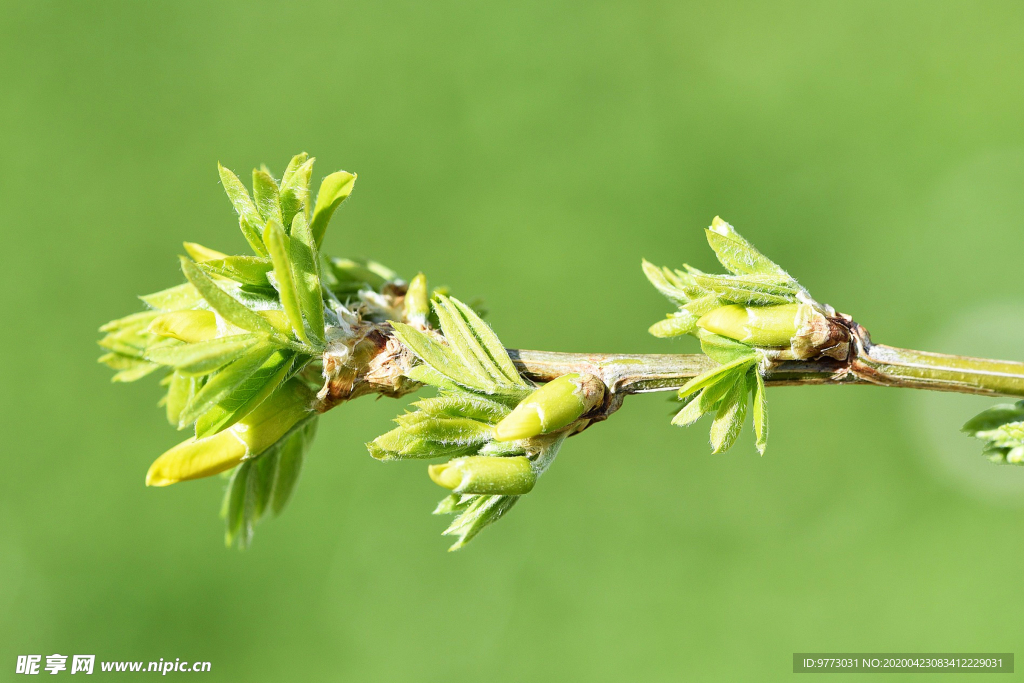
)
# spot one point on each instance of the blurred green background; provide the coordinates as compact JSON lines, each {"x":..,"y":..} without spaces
{"x":530,"y":154}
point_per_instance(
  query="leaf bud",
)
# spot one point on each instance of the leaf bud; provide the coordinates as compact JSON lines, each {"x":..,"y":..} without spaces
{"x":248,"y":438}
{"x":485,"y":475}
{"x":417,"y":305}
{"x":555,"y":405}
{"x":188,"y":326}
{"x":753,"y":325}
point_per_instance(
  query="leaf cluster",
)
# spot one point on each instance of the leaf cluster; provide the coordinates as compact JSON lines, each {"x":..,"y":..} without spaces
{"x":1001,"y":428}
{"x":477,"y":386}
{"x":753,"y":281}
{"x":242,"y":325}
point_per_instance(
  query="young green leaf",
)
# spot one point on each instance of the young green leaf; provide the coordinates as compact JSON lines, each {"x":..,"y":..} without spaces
{"x":179,"y":392}
{"x":295,"y":193}
{"x":203,"y":357}
{"x":306,"y":269}
{"x":738,"y":255}
{"x":478,"y":514}
{"x":994,"y":417}
{"x":248,"y":216}
{"x":675,"y":325}
{"x":289,"y":464}
{"x":200,"y":254}
{"x":247,"y":396}
{"x":280,"y":251}
{"x":714,"y":375}
{"x":293,"y":165}
{"x":464,"y":404}
{"x":334,"y":189}
{"x":440,"y":358}
{"x":222,"y":302}
{"x":691,"y":411}
{"x":658,"y":278}
{"x":729,"y":419}
{"x":177,"y":298}
{"x":759,"y":409}
{"x":246,"y":270}
{"x":723,"y":349}
{"x":266,"y":195}
{"x":498,"y":356}
{"x":225,"y":382}
{"x":462,"y":341}
{"x":748,"y":290}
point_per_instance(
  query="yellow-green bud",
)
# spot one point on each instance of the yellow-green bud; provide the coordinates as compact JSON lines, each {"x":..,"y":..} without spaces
{"x":199,"y":253}
{"x":754,"y":325}
{"x":417,"y":302}
{"x":250,"y":436}
{"x":188,"y":326}
{"x":197,"y":325}
{"x":555,"y":405}
{"x":486,"y":475}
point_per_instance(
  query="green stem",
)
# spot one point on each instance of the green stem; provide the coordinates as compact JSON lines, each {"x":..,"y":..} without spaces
{"x":896,"y":367}
{"x":875,"y":364}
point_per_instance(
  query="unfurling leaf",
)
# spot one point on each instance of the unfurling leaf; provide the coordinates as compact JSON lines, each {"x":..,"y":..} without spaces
{"x":225,"y":382}
{"x":280,"y":251}
{"x":306,"y":269}
{"x":729,"y":419}
{"x":230,"y":308}
{"x":266,"y":196}
{"x":334,"y":189}
{"x":248,"y":217}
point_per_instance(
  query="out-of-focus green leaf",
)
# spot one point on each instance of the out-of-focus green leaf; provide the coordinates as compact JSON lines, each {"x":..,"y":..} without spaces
{"x":187,"y":326}
{"x":334,"y":189}
{"x":352,"y":275}
{"x":264,"y":484}
{"x":289,"y":464}
{"x":129,"y":368}
{"x":135,"y":321}
{"x":179,"y":392}
{"x":994,"y":417}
